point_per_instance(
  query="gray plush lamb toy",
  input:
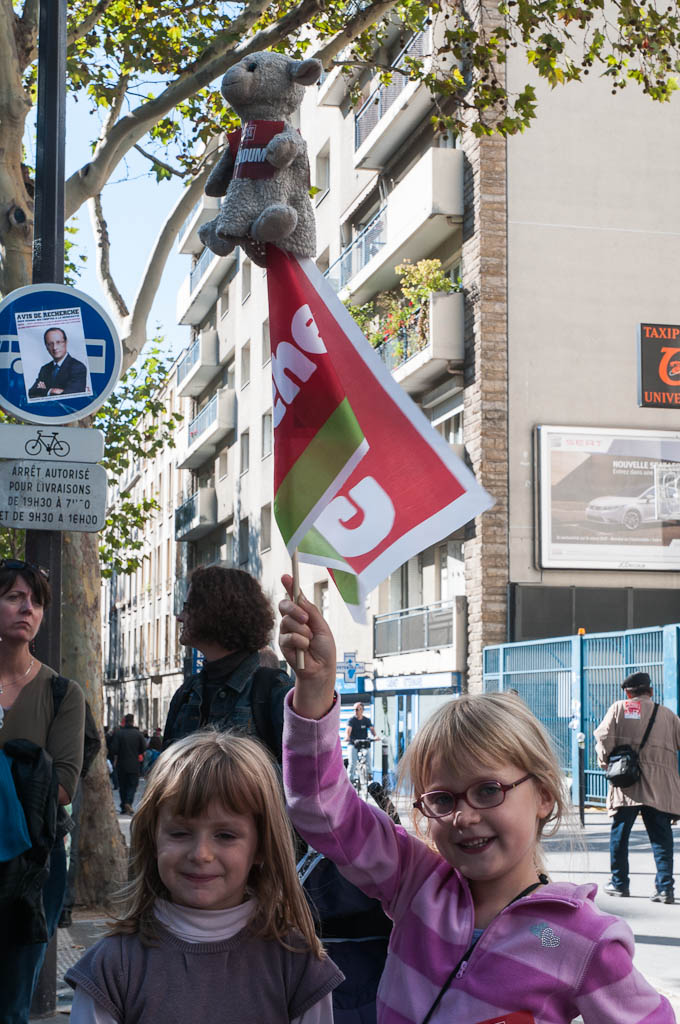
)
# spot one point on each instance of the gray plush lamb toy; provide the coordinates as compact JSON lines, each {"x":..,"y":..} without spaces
{"x":263,"y":173}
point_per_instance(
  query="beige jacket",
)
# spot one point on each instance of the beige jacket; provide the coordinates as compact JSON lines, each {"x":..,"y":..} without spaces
{"x":659,"y":786}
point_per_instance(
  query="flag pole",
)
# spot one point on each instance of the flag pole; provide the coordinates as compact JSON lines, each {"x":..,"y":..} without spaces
{"x":300,"y":655}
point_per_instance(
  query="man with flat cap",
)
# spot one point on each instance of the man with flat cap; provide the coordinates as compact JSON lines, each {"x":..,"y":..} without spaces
{"x":656,"y":795}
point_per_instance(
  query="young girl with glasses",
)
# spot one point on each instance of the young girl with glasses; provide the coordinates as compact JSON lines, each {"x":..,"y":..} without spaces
{"x":481,"y":936}
{"x":216,"y":927}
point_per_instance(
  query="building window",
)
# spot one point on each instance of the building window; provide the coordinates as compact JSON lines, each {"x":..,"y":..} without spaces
{"x":245,"y":364}
{"x":230,"y":375}
{"x":224,"y":298}
{"x":245,"y":280}
{"x":266,"y":343}
{"x":243,"y":541}
{"x":321,"y":597}
{"x":266,"y":435}
{"x":245,"y":451}
{"x":223,"y":465}
{"x":451,"y":427}
{"x":265,"y":527}
{"x":323,"y":174}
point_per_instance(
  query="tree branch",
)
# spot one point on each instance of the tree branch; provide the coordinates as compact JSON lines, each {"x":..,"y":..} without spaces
{"x":116,"y":106}
{"x":160,"y":163}
{"x":30,"y":15}
{"x":373,"y":66}
{"x":366,"y":17}
{"x":14,"y":103}
{"x":101,"y":234}
{"x":133,"y":332}
{"x":88,"y":23}
{"x":91,"y":178}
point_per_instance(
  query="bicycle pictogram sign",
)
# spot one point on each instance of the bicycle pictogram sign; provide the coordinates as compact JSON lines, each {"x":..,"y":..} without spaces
{"x":51,"y":444}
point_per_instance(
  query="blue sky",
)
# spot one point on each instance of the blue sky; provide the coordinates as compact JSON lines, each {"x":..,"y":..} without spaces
{"x":135,"y":207}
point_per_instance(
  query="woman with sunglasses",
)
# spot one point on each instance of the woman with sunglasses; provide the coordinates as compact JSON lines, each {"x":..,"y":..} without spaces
{"x":27,"y":713}
{"x":480,"y":935}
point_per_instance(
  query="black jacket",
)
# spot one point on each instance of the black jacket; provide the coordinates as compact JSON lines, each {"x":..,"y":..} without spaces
{"x":22,"y":913}
{"x":242,"y":695}
{"x":127,"y":744}
{"x":71,"y":378}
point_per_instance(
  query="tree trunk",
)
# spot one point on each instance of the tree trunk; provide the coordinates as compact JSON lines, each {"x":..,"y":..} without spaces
{"x":103,"y":855}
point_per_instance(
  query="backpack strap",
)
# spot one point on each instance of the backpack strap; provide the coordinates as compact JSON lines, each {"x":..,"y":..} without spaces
{"x":649,"y":727}
{"x":59,"y":688}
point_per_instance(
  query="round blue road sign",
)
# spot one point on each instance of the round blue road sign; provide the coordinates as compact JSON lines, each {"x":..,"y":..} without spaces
{"x":60,"y":355}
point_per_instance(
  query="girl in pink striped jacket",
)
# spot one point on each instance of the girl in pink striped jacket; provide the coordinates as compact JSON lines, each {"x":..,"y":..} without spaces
{"x":481,"y":936}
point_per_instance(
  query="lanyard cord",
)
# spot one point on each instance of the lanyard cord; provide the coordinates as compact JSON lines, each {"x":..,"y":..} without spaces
{"x":543,"y":880}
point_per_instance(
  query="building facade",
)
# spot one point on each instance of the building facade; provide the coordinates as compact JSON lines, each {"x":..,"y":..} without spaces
{"x":143,"y":662}
{"x":558,"y":243}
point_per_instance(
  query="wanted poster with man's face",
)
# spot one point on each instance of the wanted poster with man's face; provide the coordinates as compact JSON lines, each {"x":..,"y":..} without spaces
{"x":53,"y":354}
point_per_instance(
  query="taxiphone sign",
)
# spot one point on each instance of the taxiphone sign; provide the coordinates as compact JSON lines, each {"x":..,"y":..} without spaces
{"x":659,"y":365}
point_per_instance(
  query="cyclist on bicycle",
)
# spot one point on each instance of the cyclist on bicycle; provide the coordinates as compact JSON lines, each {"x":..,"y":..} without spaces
{"x":358,"y":728}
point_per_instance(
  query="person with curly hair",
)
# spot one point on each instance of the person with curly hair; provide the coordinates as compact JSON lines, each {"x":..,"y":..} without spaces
{"x":228,"y":618}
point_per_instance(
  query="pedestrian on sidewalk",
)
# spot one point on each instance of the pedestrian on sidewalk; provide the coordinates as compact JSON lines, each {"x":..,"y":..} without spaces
{"x":46,"y":755}
{"x":217,"y":927}
{"x":657,"y":794}
{"x":128,"y":746}
{"x":228,"y":617}
{"x":480,"y":932}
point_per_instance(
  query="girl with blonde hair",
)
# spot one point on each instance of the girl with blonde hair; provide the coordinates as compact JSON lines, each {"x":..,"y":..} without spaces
{"x":480,"y":934}
{"x":215,"y":925}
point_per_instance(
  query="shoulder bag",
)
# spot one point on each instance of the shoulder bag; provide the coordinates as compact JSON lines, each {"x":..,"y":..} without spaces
{"x":623,"y":767}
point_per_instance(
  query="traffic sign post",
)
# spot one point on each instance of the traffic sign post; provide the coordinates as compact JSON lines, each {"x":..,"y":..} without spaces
{"x":41,"y":383}
{"x":39,"y":495}
{"x":44,"y":547}
{"x":67,"y":444}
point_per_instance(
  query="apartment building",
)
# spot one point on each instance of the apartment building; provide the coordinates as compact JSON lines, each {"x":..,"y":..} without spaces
{"x":564,"y":240}
{"x":143,"y":662}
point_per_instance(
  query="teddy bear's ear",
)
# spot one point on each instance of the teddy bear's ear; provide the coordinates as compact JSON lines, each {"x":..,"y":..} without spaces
{"x":306,"y":72}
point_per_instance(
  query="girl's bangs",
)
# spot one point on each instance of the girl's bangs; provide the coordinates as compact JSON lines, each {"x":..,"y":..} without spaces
{"x":193,"y":786}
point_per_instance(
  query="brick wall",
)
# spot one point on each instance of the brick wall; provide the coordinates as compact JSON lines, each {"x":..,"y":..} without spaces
{"x":486,"y":391}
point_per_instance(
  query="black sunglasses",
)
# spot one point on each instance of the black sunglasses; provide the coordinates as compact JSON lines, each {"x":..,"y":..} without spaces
{"x":15,"y":563}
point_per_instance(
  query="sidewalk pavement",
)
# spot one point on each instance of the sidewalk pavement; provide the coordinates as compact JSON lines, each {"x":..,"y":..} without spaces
{"x":656,"y":926}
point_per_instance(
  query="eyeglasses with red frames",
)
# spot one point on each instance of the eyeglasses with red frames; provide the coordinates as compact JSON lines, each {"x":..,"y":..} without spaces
{"x":16,"y":563}
{"x":481,"y":795}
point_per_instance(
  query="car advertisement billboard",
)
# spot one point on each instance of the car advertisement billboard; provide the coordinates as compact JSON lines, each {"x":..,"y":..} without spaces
{"x":608,"y":498}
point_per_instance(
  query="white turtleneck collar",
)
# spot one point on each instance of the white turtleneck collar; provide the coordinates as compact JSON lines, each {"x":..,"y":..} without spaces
{"x":193,"y":925}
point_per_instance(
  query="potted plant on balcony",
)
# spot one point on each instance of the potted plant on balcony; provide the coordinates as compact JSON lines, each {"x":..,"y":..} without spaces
{"x":399,"y":320}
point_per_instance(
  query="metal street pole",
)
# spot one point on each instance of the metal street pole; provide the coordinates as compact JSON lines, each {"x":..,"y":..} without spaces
{"x":44,"y":546}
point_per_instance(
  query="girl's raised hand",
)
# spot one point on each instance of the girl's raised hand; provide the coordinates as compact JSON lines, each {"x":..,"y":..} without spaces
{"x":303,"y":628}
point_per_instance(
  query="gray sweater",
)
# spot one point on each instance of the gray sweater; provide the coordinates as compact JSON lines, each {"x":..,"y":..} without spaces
{"x":241,"y":980}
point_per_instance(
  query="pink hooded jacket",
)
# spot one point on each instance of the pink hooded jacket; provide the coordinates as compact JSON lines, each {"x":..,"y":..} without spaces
{"x":547,"y":957}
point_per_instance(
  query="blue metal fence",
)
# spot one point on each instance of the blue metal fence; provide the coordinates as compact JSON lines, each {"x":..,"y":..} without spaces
{"x":569,"y":682}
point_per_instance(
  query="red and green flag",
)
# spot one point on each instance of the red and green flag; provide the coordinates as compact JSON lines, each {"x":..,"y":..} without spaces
{"x":362,"y":481}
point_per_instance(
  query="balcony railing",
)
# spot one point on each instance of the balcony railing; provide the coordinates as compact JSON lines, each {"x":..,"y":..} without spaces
{"x":189,"y":218}
{"x":199,"y":268}
{"x":382,"y":98}
{"x":205,"y":418}
{"x":413,"y":629}
{"x":189,"y":361}
{"x":412,"y":337}
{"x":186,"y":514}
{"x":355,"y":257}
